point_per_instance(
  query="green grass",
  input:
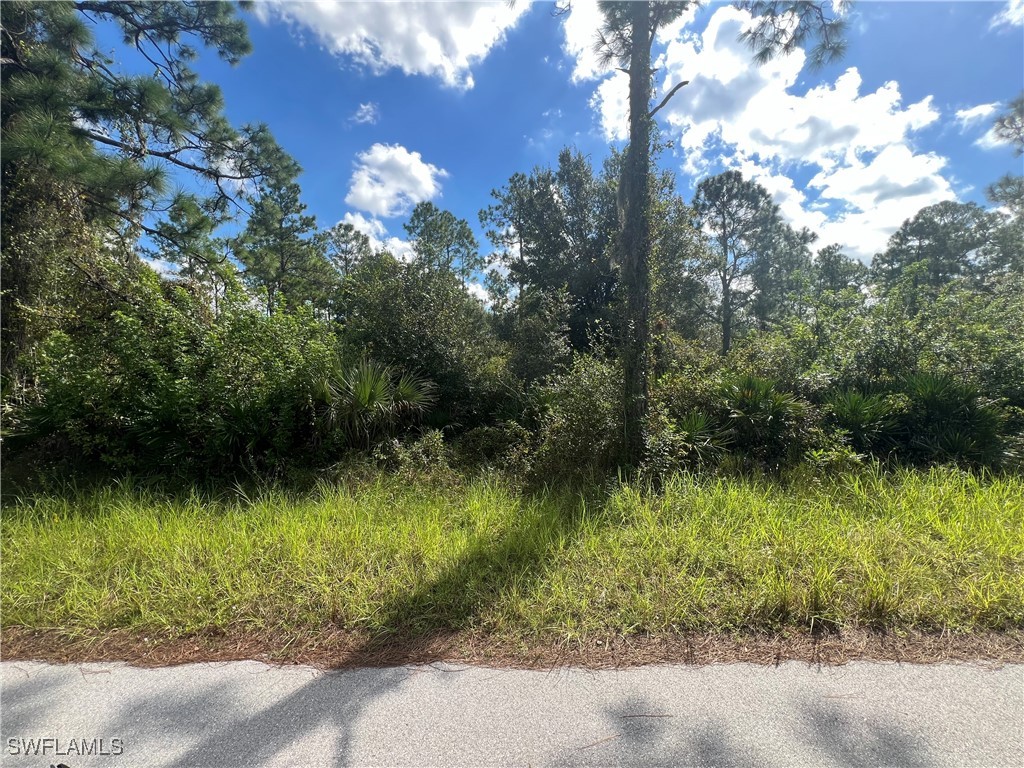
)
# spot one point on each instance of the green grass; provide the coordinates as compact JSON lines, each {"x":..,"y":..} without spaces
{"x":942,"y":549}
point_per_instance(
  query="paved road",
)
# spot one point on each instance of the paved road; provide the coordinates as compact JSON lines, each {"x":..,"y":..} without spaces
{"x":250,"y":714}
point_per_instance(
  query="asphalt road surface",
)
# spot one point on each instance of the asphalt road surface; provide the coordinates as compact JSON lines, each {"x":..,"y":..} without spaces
{"x":251,"y":714}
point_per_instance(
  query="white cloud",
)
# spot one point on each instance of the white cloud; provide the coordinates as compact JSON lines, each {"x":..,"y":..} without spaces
{"x":389,"y":180}
{"x":1012,"y":15}
{"x":866,"y":178}
{"x":879,"y":196}
{"x":874,"y":198}
{"x":366,"y":114}
{"x":479,"y":292}
{"x":968,"y":117}
{"x":989,"y":140}
{"x":580,"y":26}
{"x":380,"y":240}
{"x":442,"y":40}
{"x":753,"y":108}
{"x":162,"y":267}
{"x":611,"y":102}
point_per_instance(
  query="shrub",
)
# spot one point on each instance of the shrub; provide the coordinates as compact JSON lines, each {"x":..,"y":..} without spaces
{"x":695,"y":442}
{"x":422,"y":320}
{"x":426,"y":455}
{"x":947,"y":420}
{"x":583,"y":421}
{"x":781,"y":356}
{"x":771,"y":427}
{"x":870,"y":421}
{"x":156,"y":383}
{"x":368,"y":402}
{"x":506,"y":446}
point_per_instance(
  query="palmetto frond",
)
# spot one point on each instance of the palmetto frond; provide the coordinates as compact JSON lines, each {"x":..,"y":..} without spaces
{"x":366,"y":400}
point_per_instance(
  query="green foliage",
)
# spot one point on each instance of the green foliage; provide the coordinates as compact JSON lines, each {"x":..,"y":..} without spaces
{"x":506,"y":446}
{"x":771,"y":427}
{"x":783,"y":26}
{"x":785,"y":355}
{"x":157,"y":384}
{"x":116,"y":130}
{"x":423,"y":457}
{"x":870,"y":421}
{"x":948,"y":420}
{"x":424,"y":322}
{"x":935,"y":247}
{"x":537,"y":335}
{"x":739,"y":214}
{"x":580,"y":429}
{"x":976,"y":337}
{"x":696,"y":442}
{"x":278,"y":248}
{"x":1009,"y":126}
{"x":442,"y":241}
{"x":553,"y":230}
{"x":367,"y":402}
{"x":600,"y":273}
{"x":44,"y":235}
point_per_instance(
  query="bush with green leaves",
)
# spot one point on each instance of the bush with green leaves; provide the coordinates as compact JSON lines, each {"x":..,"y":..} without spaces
{"x":870,"y":421}
{"x":506,"y":446}
{"x":693,"y":443}
{"x":949,"y":420}
{"x":368,"y":402}
{"x":151,"y":380}
{"x":582,"y":425}
{"x":768,"y":426}
{"x":785,"y":356}
{"x":423,"y":321}
{"x":426,"y":454}
{"x":977,"y":337}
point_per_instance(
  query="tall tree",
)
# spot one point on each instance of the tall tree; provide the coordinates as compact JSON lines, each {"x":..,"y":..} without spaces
{"x":626,"y":37}
{"x":345,"y":246}
{"x":834,"y":271}
{"x":781,"y":274}
{"x":102,"y":138}
{"x":1006,"y":250}
{"x":69,"y":109}
{"x":1009,"y":126}
{"x":442,"y":241}
{"x":735,"y":213}
{"x":680,"y":295}
{"x":941,"y":243}
{"x":553,"y":229}
{"x":279,"y":248}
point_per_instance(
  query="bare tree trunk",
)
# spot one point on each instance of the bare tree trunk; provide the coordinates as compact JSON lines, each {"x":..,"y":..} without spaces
{"x":635,"y":242}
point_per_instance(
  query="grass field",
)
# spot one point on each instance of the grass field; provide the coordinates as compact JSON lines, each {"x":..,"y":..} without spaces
{"x":921,"y":551}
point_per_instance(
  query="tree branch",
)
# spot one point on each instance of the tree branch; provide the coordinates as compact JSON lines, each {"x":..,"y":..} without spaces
{"x":170,"y":155}
{"x":667,"y":97}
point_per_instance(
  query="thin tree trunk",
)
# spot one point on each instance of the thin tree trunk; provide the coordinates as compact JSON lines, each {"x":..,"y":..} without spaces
{"x":635,"y":242}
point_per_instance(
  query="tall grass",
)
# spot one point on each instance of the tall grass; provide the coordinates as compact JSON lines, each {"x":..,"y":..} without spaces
{"x":942,"y":549}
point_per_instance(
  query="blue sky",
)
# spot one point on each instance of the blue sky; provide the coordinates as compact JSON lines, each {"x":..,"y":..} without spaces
{"x":385,"y":104}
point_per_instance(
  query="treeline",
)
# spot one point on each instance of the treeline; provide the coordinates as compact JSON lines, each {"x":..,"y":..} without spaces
{"x":766,"y":352}
{"x":290,"y":346}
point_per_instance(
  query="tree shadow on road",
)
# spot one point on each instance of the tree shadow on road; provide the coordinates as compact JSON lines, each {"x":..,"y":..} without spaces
{"x":457,"y":599}
{"x":643,"y":731}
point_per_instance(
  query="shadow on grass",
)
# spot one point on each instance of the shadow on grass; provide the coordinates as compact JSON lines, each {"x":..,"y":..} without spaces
{"x":457,"y":599}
